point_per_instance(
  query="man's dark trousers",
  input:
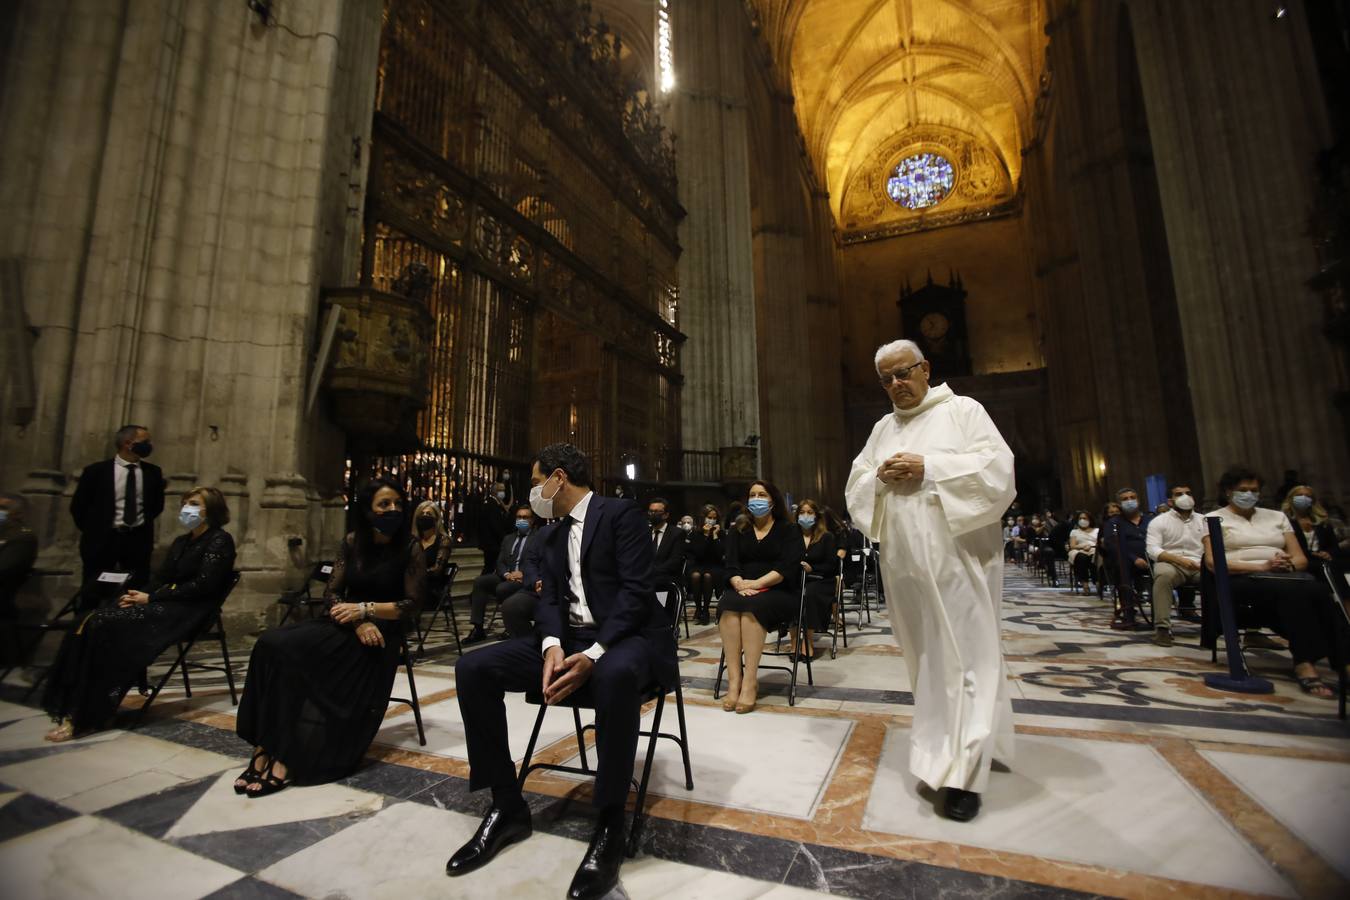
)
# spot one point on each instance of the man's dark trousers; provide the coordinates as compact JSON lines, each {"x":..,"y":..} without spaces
{"x":482,"y":677}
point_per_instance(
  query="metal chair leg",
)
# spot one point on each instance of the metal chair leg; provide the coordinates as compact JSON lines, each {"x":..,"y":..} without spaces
{"x":721,"y":667}
{"x":639,"y":814}
{"x":529,"y":749}
{"x":684,"y":737}
{"x":581,"y":740}
{"x":225,"y":654}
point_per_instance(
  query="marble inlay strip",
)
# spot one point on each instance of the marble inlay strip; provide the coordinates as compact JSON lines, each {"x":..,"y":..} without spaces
{"x":1310,"y":875}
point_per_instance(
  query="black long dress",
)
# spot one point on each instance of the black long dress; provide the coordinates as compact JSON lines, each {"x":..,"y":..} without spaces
{"x":824,"y":563}
{"x":751,"y":558}
{"x":315,"y":695}
{"x":112,"y":646}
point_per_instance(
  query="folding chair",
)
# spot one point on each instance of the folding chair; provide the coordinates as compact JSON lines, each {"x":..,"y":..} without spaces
{"x":1340,"y":598}
{"x":445,"y":606}
{"x":796,"y":657}
{"x":213,"y":627}
{"x":303,"y":597}
{"x":85,"y":599}
{"x":405,"y":660}
{"x":581,"y":700}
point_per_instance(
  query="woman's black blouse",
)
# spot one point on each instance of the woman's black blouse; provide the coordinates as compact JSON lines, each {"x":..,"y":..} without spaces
{"x":780,"y":551}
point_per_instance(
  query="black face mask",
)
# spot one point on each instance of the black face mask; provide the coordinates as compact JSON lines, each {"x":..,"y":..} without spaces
{"x":426,"y":523}
{"x":657,"y":519}
{"x":142,"y":448}
{"x":388,"y":523}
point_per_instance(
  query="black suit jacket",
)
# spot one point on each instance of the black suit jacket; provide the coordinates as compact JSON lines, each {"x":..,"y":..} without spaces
{"x":669,"y":561}
{"x":616,"y":571}
{"x":93,"y":505}
{"x":504,"y":554}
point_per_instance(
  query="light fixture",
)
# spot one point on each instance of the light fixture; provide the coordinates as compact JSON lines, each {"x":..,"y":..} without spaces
{"x":631,"y":471}
{"x":665,"y":57}
{"x":1101,"y":467}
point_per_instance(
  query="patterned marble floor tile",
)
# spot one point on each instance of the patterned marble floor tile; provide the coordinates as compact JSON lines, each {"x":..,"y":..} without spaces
{"x":1309,"y":797}
{"x":445,"y":729}
{"x":22,"y":813}
{"x":1100,"y":803}
{"x":27,"y":734}
{"x":221,"y":809}
{"x":91,"y":857}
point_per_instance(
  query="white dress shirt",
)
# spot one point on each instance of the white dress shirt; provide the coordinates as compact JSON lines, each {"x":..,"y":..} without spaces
{"x":578,"y":611}
{"x":1170,"y":533}
{"x":120,"y":469}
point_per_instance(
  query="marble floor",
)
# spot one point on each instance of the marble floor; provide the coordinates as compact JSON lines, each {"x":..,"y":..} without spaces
{"x":1131,"y":779}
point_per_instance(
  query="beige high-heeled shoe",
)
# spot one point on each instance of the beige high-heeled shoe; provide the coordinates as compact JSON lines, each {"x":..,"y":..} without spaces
{"x":61,"y":733}
{"x":729,"y":700}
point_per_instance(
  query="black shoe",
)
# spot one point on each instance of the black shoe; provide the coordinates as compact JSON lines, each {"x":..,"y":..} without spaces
{"x":475,"y":635}
{"x":1189,"y":614}
{"x":498,"y":830}
{"x":961,"y":806}
{"x":599,"y":870}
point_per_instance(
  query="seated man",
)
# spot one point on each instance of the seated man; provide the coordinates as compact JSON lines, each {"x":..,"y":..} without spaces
{"x":599,"y":629}
{"x":1021,"y":534}
{"x":1125,"y":546}
{"x":1175,"y":544}
{"x":507,"y":579}
{"x":518,"y":610}
{"x":1059,"y":546}
{"x":669,"y":545}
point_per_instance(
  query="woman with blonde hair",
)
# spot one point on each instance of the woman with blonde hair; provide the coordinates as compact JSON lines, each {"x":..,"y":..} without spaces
{"x":1312,"y":528}
{"x":112,"y":646}
{"x":436,"y":544}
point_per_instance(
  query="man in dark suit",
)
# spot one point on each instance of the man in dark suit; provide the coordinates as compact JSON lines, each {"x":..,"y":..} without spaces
{"x":600,"y":630}
{"x":669,"y":543}
{"x":494,"y":524}
{"x":507,"y":579}
{"x":115,"y":506}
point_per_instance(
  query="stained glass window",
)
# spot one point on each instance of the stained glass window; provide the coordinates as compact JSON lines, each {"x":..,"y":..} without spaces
{"x":920,"y":180}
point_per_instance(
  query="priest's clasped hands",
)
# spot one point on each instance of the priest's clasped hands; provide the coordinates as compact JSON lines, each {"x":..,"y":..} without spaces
{"x":901,"y":467}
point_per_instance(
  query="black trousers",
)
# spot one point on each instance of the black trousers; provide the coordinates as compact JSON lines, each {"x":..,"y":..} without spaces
{"x":1300,"y":610}
{"x":614,"y":689}
{"x":518,"y":613}
{"x":487,"y":588}
{"x":118,"y":551}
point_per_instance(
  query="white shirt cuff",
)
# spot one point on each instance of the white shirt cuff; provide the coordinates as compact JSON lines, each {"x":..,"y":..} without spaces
{"x":549,"y":642}
{"x":594,"y":651}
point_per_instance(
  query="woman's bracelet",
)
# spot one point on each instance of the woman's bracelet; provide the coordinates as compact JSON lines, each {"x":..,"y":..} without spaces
{"x":366,"y":610}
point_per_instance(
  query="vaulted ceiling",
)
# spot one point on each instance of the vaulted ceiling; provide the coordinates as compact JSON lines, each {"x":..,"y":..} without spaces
{"x":873,"y":80}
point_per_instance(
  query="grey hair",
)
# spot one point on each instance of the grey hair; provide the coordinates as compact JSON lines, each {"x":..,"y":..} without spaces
{"x":126,"y":433}
{"x":897,"y":347}
{"x":1126,"y":490}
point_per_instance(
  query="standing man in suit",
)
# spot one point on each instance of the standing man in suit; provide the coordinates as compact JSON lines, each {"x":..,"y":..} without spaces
{"x":668,"y":543}
{"x":599,"y":630}
{"x":494,"y":524}
{"x":115,"y":506}
{"x":507,"y":579}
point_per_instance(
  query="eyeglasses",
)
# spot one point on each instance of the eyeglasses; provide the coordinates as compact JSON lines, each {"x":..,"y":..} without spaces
{"x":898,"y":374}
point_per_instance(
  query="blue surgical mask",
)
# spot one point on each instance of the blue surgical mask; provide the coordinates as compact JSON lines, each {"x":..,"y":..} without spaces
{"x":806,"y":521}
{"x":191,"y":516}
{"x":1244,"y":499}
{"x":1129,"y":507}
{"x":1302,"y":503}
{"x":759,"y":506}
{"x":522,"y":525}
{"x":501,"y":495}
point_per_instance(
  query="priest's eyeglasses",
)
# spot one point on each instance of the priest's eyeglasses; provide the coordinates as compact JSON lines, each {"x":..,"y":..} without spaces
{"x":898,"y":374}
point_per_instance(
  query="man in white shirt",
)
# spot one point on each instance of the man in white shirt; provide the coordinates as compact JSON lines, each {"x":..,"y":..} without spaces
{"x":1175,"y":545}
{"x":599,"y":629}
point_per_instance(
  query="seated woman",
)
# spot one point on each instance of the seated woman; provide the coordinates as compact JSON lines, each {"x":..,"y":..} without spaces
{"x":113,"y":646}
{"x":705,"y":561}
{"x":1102,"y":574}
{"x":764,"y":557}
{"x":436,"y":546}
{"x":1083,"y":549}
{"x":1313,"y":529}
{"x":1267,"y":573}
{"x":820,"y":564}
{"x":317,"y":691}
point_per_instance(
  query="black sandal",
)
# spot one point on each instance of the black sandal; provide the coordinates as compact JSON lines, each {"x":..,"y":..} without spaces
{"x":1310,"y":686}
{"x":269,"y":783}
{"x":251,"y":774}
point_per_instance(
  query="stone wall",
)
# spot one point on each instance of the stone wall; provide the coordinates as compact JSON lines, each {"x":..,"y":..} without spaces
{"x":179,"y":181}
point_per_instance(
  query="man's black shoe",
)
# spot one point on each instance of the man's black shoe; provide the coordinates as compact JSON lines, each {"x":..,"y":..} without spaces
{"x":961,"y":806}
{"x":497,"y":830}
{"x":599,"y":869}
{"x":1190,"y":614}
{"x":476,"y":634}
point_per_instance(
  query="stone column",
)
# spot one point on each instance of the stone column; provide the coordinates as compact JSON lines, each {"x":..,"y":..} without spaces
{"x":720,"y":398}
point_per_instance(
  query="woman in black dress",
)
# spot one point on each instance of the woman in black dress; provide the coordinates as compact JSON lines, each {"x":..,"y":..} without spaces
{"x":763,"y":559}
{"x":317,"y":691}
{"x":705,"y":561}
{"x":436,"y":546}
{"x":112,"y":646}
{"x":820,"y":564}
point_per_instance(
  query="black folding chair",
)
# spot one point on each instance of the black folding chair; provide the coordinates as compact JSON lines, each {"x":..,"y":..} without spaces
{"x":302,"y":598}
{"x":793,"y":654}
{"x":85,"y":599}
{"x":213,"y":627}
{"x":445,"y":607}
{"x":405,"y":660}
{"x":582,"y":700}
{"x":1340,"y":598}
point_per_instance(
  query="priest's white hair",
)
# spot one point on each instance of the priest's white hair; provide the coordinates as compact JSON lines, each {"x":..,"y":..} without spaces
{"x":897,"y":347}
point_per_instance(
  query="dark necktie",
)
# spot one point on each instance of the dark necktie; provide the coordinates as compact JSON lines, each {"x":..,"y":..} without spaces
{"x":656,"y":537}
{"x":515,"y":554}
{"x":129,"y":510}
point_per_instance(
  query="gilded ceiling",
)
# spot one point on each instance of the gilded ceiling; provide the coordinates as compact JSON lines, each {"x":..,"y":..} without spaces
{"x":876,"y":80}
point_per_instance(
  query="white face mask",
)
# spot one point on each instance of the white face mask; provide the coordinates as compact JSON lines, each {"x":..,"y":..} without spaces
{"x":1185,"y":502}
{"x":1083,"y":524}
{"x":191,"y":516}
{"x":542,"y":506}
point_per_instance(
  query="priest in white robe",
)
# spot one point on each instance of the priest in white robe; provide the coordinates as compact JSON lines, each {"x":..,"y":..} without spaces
{"x":931,"y":486}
